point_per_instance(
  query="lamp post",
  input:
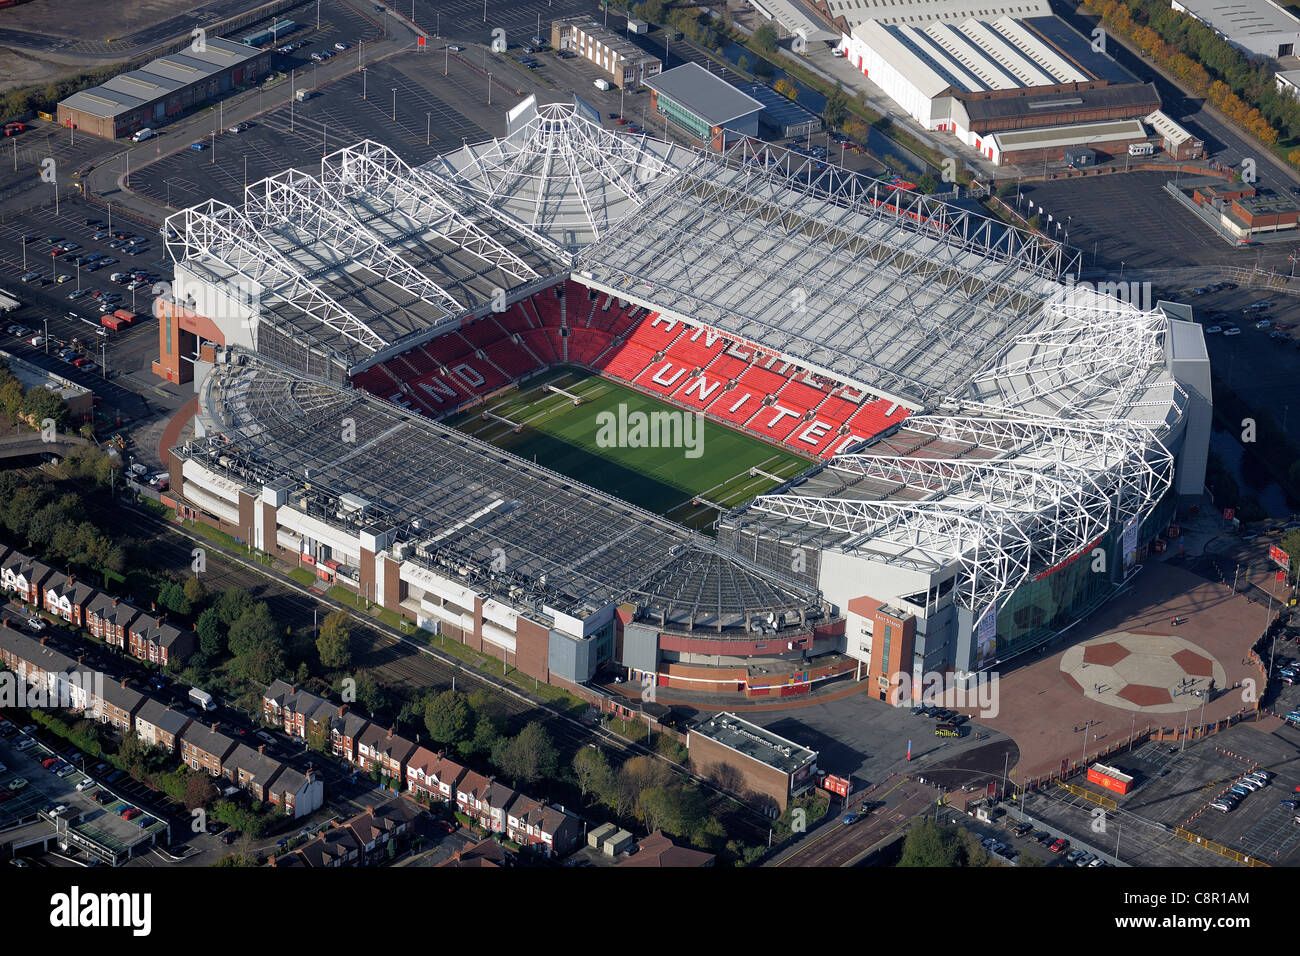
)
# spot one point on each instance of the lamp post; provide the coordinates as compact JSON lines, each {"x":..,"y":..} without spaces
{"x":394,"y":104}
{"x":427,"y":129}
{"x":489,"y":76}
{"x":363,"y":83}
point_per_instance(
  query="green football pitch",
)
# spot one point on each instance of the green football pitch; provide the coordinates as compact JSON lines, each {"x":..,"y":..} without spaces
{"x":568,"y":438}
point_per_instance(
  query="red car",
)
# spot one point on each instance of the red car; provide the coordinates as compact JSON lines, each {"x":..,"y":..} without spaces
{"x":49,"y":762}
{"x":1060,"y":844}
{"x":130,"y":813}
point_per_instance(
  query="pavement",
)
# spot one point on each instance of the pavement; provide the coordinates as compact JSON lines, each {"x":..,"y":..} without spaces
{"x":1086,"y":719}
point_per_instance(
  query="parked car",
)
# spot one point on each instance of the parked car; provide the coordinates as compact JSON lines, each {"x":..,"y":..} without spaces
{"x":1059,"y":844}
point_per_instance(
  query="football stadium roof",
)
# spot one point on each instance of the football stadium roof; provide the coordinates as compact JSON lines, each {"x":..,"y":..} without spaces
{"x":459,"y":503}
{"x":1048,"y":405}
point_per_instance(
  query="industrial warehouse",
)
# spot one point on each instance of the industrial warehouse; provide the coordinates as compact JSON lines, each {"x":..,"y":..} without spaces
{"x":989,"y":81}
{"x":970,"y":421}
{"x":164,"y":89}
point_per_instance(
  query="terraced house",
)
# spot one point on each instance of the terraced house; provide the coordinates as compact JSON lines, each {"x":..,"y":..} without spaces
{"x":345,"y":726}
{"x":548,"y":830}
{"x":160,"y":726}
{"x":108,"y":618}
{"x":433,"y":775}
{"x":385,"y":748}
{"x":118,"y":705}
{"x":66,"y":597}
{"x":24,"y":577}
{"x":297,"y":711}
{"x":150,"y":638}
{"x":205,"y":748}
{"x":485,"y":801}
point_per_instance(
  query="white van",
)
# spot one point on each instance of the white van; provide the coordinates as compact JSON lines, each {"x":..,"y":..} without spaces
{"x":141,"y":136}
{"x":1140,"y":149}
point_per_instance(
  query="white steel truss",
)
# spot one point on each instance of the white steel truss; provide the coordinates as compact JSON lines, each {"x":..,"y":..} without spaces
{"x":1059,"y":485}
{"x":558,"y":161}
{"x":1092,"y":355}
{"x":992,"y":553}
{"x":216,"y":231}
{"x":382,"y":175}
{"x":303,"y":201}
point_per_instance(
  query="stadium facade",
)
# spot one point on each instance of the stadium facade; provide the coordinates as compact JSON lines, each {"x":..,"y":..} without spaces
{"x":990,"y":446}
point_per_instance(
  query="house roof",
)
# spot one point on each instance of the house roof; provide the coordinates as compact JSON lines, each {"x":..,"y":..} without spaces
{"x":257,"y":765}
{"x":435,"y":765}
{"x":384,"y":818}
{"x":124,"y":698}
{"x":153,"y":630}
{"x":658,"y":850}
{"x":705,"y":94}
{"x":349,"y":723}
{"x":204,"y":738}
{"x":78,"y":592}
{"x":381,"y":740}
{"x":161,"y":716}
{"x":486,"y":853}
{"x":36,"y":572}
{"x":112,"y":609}
{"x":331,"y":845}
{"x":289,"y":780}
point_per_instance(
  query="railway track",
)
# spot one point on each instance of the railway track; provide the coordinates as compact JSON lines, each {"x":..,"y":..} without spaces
{"x":403,"y":661}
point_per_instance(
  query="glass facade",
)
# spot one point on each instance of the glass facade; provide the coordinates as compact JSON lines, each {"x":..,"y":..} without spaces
{"x":1038,"y":610}
{"x":683,"y":117}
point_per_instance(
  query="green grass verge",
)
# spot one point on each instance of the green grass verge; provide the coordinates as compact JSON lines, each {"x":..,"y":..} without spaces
{"x":566,"y":438}
{"x":302,"y":576}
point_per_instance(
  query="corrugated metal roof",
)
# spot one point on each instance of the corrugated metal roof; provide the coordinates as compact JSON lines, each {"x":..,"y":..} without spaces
{"x":1085,"y":134}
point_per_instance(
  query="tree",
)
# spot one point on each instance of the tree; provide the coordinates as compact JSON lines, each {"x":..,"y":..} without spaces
{"x":531,"y":755}
{"x":743,"y":65}
{"x":199,"y":791}
{"x":786,"y":88}
{"x":318,"y":736}
{"x":837,"y":108}
{"x":232,"y":603}
{"x":172,"y":597}
{"x":486,"y":736}
{"x":253,"y":627}
{"x":592,"y":772}
{"x":657,"y":808}
{"x":926,"y":184}
{"x":927,"y":844}
{"x":765,"y":38}
{"x":333,"y":644}
{"x":194,"y":590}
{"x":448,"y":717}
{"x":212,"y":641}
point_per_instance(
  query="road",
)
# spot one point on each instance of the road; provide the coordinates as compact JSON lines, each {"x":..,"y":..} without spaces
{"x":836,"y":843}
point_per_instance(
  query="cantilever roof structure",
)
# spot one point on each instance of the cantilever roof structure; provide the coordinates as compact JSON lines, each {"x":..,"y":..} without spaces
{"x":368,"y":253}
{"x":459,"y":502}
{"x":843,"y":274}
{"x":1043,"y":409}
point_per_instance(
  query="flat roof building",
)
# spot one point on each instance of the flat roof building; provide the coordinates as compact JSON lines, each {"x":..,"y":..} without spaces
{"x":704,"y":105}
{"x":782,"y":118}
{"x":620,"y":60}
{"x":162,"y":90}
{"x":768,"y":764}
{"x":78,"y":398}
{"x":1256,"y":27}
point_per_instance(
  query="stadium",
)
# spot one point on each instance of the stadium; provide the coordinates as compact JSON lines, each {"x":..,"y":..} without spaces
{"x":922,"y":446}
